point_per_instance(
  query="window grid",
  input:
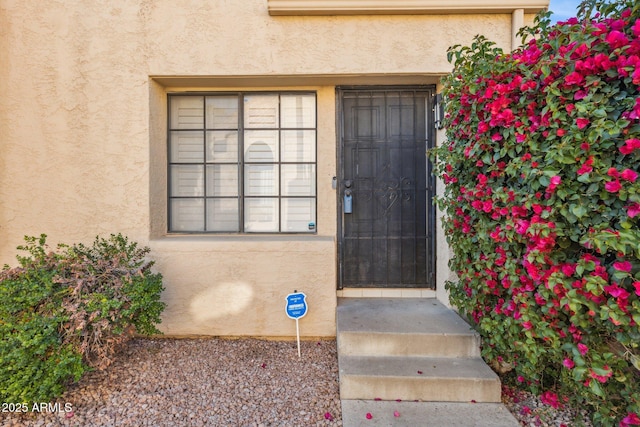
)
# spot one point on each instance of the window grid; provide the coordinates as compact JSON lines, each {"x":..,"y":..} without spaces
{"x":243,"y":163}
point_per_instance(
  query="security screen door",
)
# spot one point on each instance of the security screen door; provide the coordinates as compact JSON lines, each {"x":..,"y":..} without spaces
{"x":386,"y":221}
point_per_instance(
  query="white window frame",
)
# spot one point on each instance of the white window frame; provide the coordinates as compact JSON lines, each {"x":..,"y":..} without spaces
{"x":266,"y":183}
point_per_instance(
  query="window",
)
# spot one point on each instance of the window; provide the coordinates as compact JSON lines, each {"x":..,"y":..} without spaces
{"x":242,"y":162}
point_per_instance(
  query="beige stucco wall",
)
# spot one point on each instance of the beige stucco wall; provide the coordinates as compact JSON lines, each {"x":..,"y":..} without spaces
{"x":83,"y":133}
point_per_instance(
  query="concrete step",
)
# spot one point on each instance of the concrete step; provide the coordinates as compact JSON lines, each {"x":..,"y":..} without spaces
{"x":435,"y":379}
{"x":429,"y":414}
{"x":403,"y":327}
{"x":410,"y":349}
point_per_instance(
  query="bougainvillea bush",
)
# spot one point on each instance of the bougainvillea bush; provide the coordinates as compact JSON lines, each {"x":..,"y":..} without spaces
{"x":65,"y":311}
{"x":542,"y":203}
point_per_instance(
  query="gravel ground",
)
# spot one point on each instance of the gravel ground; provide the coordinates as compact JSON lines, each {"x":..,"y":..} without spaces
{"x":226,"y":382}
{"x":531,"y":412}
{"x":203,"y":382}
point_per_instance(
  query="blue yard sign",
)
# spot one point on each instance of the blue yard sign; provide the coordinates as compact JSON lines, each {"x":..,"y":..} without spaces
{"x":296,"y":305}
{"x":296,"y":308}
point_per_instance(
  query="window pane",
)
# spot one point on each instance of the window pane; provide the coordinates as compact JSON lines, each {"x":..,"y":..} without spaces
{"x":298,"y":111}
{"x":261,"y":214}
{"x":297,"y":214}
{"x":298,"y":180}
{"x":187,"y":215}
{"x":261,"y":146}
{"x":222,"y":112}
{"x":298,"y":145}
{"x":222,"y":215}
{"x":261,"y":111}
{"x":187,"y":147}
{"x":187,"y":112}
{"x":222,"y":146}
{"x":261,"y":180}
{"x":222,"y":180}
{"x":187,"y":181}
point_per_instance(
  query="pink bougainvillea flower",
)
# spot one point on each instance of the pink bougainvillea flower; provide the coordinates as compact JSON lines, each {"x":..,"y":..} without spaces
{"x":377,"y":399}
{"x":582,"y":122}
{"x":420,"y":372}
{"x":483,"y":127}
{"x":616,"y":39}
{"x":636,"y":285}
{"x":613,"y":186}
{"x":583,"y":349}
{"x":328,"y":416}
{"x":527,"y":325}
{"x":629,"y":175}
{"x":622,"y":266}
{"x":561,"y":132}
{"x":636,"y":28}
{"x":553,"y":183}
{"x":574,"y":78}
{"x":568,"y":269}
{"x":585,"y":146}
{"x":585,"y":168}
{"x":632,"y":419}
{"x":369,"y":416}
{"x":613,"y":172}
{"x":396,"y":414}
{"x":264,"y":365}
{"x":633,"y":209}
{"x":630,"y":145}
{"x":496,"y":137}
{"x":568,"y":363}
{"x":616,"y":291}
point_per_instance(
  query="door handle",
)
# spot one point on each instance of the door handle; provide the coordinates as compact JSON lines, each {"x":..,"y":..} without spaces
{"x":348,"y":202}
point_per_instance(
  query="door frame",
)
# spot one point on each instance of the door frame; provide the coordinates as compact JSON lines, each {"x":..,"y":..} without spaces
{"x":430,"y":178}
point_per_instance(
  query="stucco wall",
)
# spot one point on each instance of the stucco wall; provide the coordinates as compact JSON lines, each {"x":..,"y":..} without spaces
{"x":83,"y":133}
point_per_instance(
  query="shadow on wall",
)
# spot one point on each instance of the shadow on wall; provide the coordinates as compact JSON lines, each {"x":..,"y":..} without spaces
{"x":222,"y":300}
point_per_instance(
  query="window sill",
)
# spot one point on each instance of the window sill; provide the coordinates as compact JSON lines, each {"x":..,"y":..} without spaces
{"x":249,"y":237}
{"x":406,"y":7}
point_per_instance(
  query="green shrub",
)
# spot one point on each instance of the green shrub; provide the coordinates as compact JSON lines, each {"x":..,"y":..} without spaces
{"x":65,"y":311}
{"x":542,"y":198}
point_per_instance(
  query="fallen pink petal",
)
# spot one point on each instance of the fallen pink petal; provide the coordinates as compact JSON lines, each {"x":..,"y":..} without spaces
{"x":328,"y":416}
{"x":396,"y":414}
{"x":420,"y":372}
{"x":369,"y":416}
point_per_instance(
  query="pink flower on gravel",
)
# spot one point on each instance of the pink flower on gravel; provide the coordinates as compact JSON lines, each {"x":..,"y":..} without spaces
{"x":369,"y":416}
{"x":328,"y":416}
{"x":622,"y":266}
{"x":550,"y":398}
{"x":613,"y":186}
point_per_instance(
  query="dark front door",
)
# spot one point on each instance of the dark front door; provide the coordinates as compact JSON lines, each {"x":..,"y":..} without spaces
{"x":387,"y":234}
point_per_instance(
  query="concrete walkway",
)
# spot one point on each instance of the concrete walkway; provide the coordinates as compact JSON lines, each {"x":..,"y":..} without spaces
{"x":425,"y":414}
